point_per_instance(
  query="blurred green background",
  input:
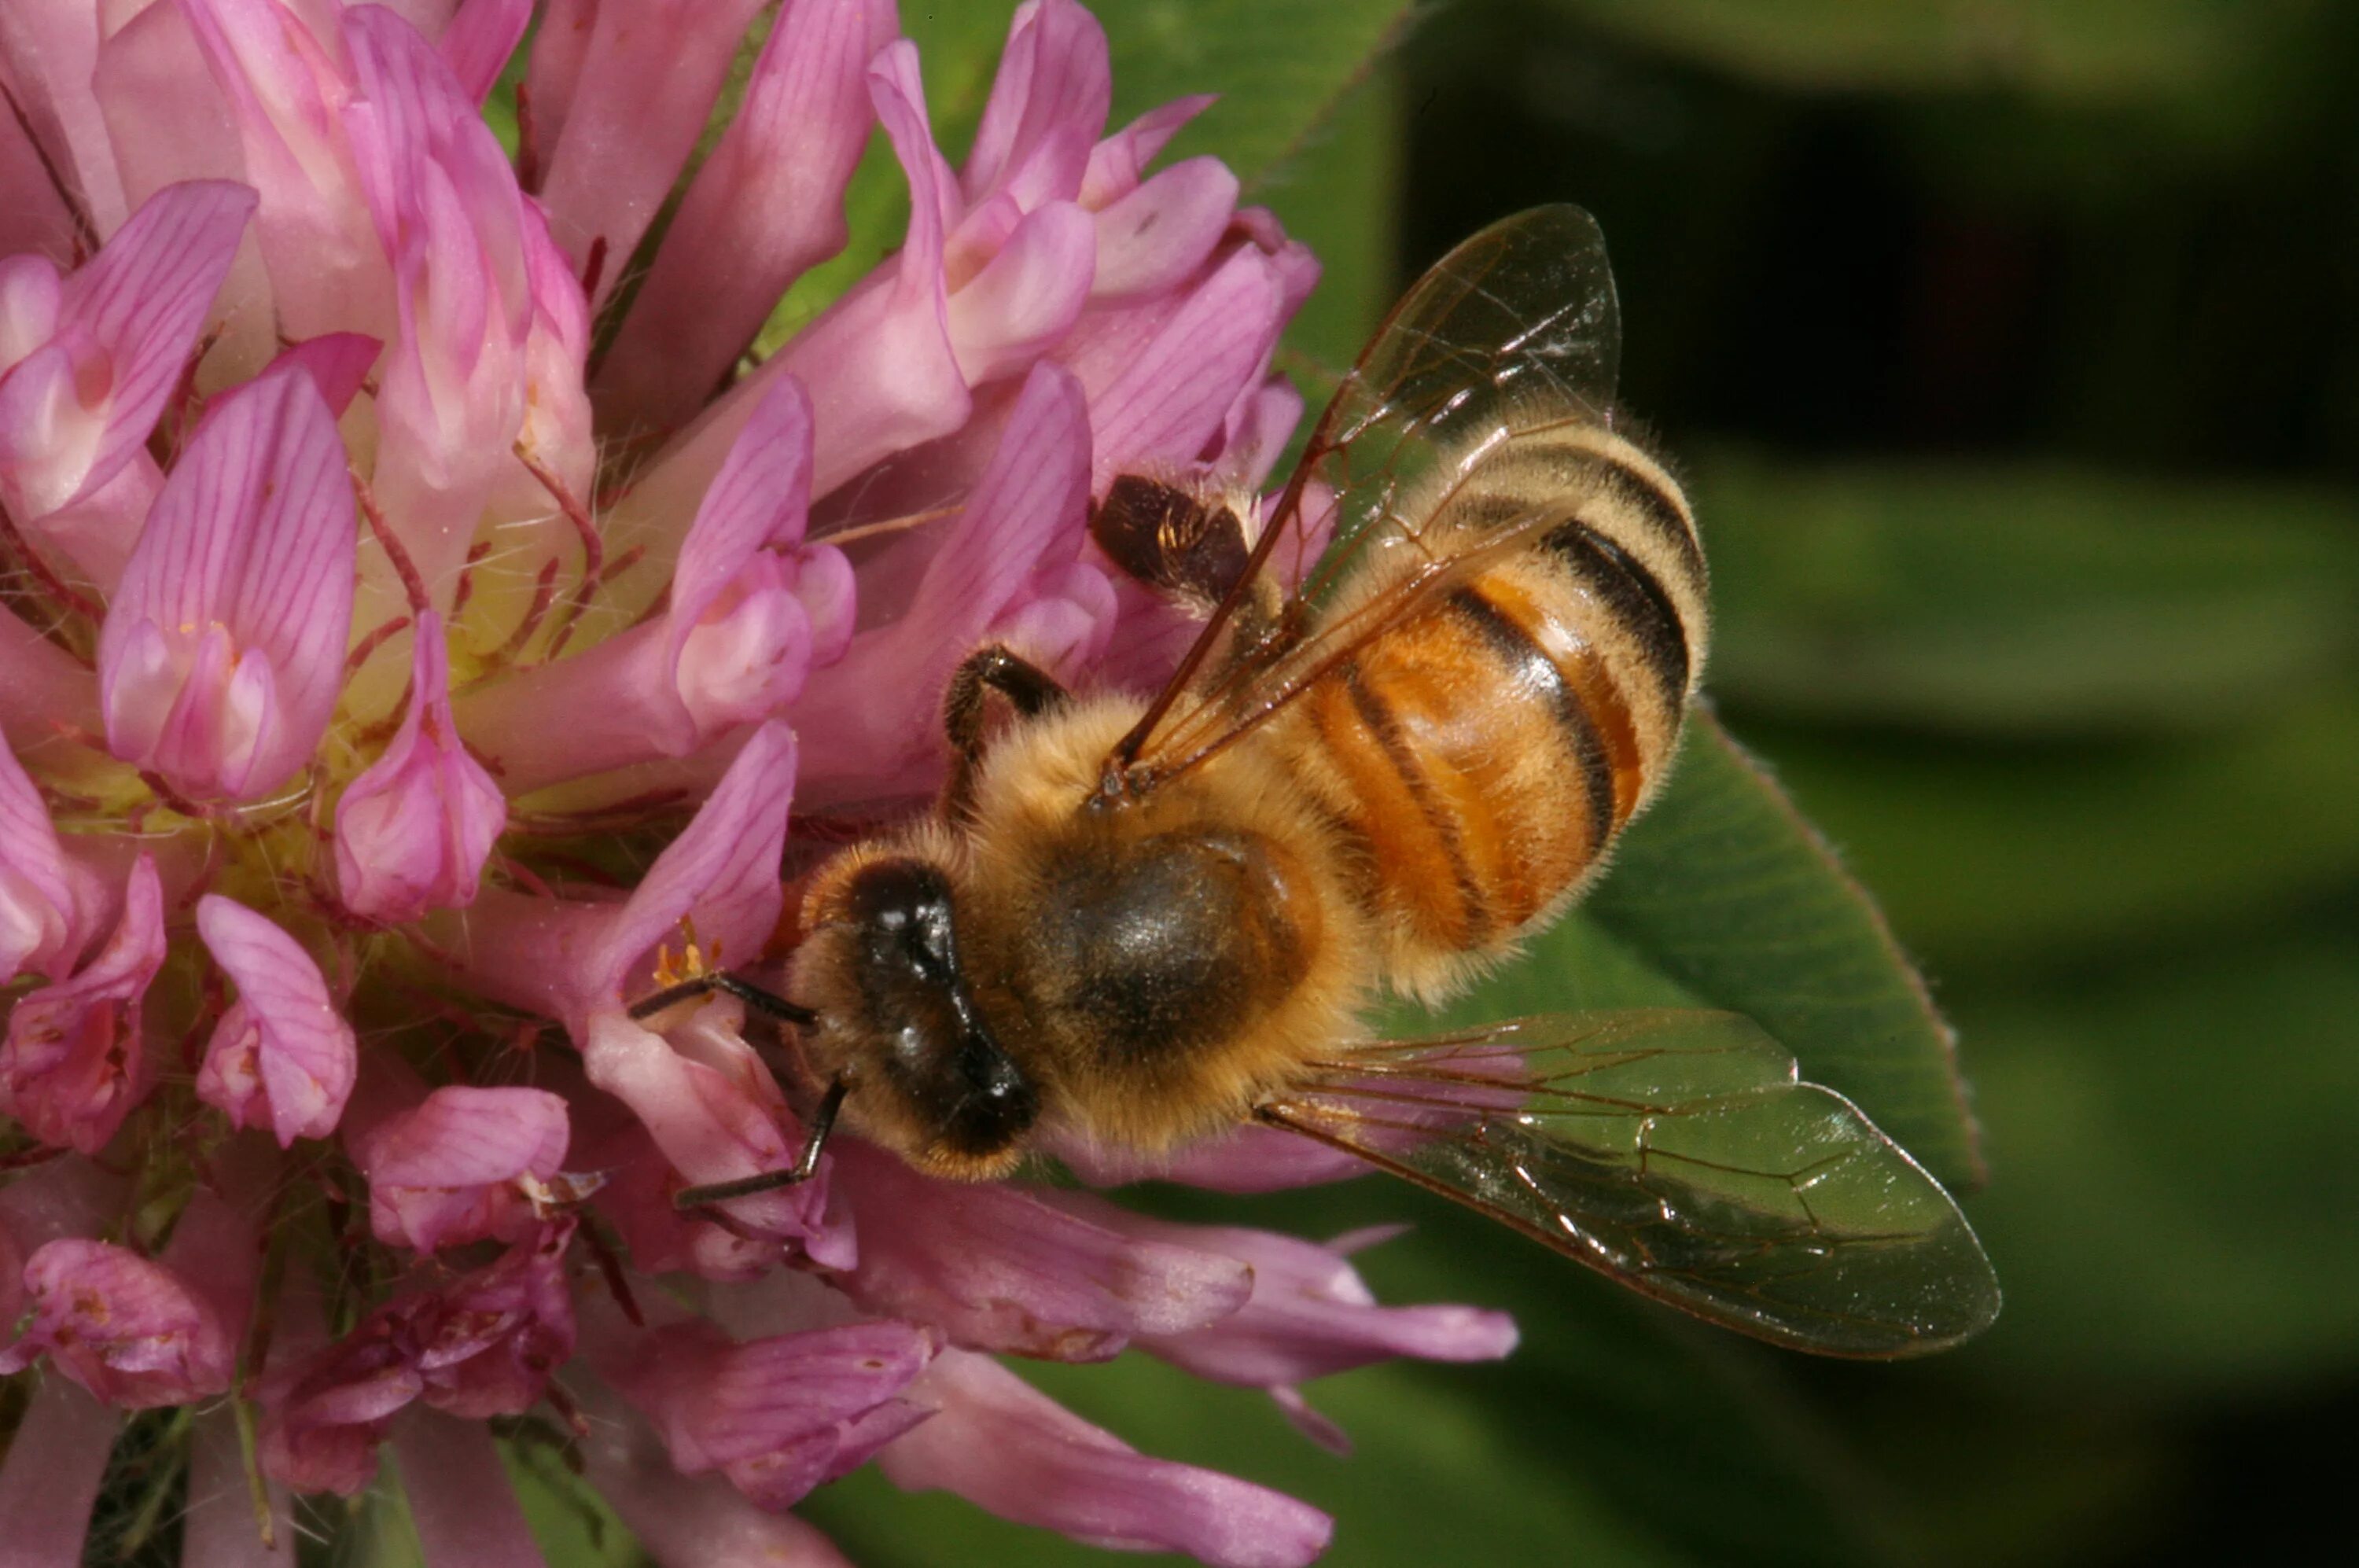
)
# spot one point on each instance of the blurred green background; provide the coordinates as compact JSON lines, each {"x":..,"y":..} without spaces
{"x":2011,"y":349}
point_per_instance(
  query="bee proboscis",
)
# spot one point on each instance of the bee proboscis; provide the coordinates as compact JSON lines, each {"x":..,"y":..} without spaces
{"x":1428,"y":694}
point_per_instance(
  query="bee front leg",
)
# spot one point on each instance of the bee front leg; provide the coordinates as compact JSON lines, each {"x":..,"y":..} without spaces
{"x":1029,"y":688}
{"x":805,"y":1167}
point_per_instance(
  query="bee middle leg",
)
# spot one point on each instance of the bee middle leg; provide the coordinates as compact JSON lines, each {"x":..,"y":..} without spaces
{"x":1029,"y":688}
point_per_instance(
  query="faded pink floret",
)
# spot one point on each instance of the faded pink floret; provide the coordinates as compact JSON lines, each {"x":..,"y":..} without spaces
{"x":463,"y":1165}
{"x":413,"y":831}
{"x":131,"y":1331}
{"x":74,"y":1062}
{"x":282,"y":1057}
{"x":221,"y":654}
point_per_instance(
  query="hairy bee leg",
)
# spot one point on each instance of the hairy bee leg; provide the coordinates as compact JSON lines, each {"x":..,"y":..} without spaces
{"x":1030,"y":689}
{"x":805,"y":1166}
{"x":761,"y":1001}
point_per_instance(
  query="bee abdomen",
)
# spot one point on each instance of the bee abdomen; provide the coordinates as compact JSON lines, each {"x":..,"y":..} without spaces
{"x":1487,"y":750}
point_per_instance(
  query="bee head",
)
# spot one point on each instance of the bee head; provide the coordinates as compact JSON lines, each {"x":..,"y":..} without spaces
{"x":897,"y":1020}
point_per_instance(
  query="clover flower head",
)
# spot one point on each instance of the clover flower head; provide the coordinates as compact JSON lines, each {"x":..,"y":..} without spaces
{"x":421,"y":613}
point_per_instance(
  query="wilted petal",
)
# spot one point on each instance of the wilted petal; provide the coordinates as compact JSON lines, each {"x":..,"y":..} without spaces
{"x":629,"y":129}
{"x":282,"y":1057}
{"x":461,"y":1166}
{"x":221,"y":654}
{"x":765,"y":206}
{"x":414,"y":829}
{"x":76,"y":409}
{"x":1006,"y":1447}
{"x":323,"y":1416}
{"x":131,"y":1331}
{"x":997,"y":1268}
{"x":487,"y":1341}
{"x":39,"y":925}
{"x":74,"y":1063}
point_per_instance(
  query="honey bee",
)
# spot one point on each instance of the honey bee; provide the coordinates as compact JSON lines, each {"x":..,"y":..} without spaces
{"x":1427,"y":697}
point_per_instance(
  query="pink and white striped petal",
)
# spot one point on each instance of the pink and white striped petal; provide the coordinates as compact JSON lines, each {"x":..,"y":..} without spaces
{"x":477,"y":43}
{"x":1118,"y":163}
{"x":282,"y":1057}
{"x":74,"y":410}
{"x":414,"y":830}
{"x":221,"y":655}
{"x":1047,"y":108}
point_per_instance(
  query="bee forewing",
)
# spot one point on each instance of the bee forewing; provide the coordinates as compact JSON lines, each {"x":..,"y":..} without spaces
{"x":1679,"y":1153}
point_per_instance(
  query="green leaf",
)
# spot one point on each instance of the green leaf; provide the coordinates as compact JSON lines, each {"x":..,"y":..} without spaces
{"x":1722,"y":896}
{"x":2176,"y":1190}
{"x":2022,"y":602}
{"x":2001,"y":858}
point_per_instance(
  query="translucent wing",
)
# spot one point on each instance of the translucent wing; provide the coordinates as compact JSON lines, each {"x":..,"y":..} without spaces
{"x":1516,"y":330}
{"x":1679,"y":1153}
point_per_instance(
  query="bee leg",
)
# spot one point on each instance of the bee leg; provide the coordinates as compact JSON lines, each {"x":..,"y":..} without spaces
{"x":1028,"y":688}
{"x":754,"y":996}
{"x":806,"y":1164}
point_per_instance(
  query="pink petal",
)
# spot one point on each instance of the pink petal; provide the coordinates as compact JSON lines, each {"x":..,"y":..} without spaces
{"x":1248,"y":1159}
{"x":1026,"y":295}
{"x":337,"y":363}
{"x":1047,"y":106}
{"x":73,"y":414}
{"x":722,"y":872}
{"x":446,"y":206}
{"x":1117,"y":163}
{"x":996,"y":1268}
{"x":873,"y":719}
{"x":284,"y":85}
{"x":488,"y":1340}
{"x":219,"y":1532}
{"x":36,"y":220}
{"x":323,"y":1416}
{"x":1155,"y":237}
{"x":50,"y":1475}
{"x":629,"y":129}
{"x":459,"y":1167}
{"x":1158,"y":395}
{"x":765,"y":206}
{"x":717,"y":1115}
{"x":283,"y":1057}
{"x":414,"y":829}
{"x":50,"y":52}
{"x":1010,"y":1448}
{"x":38,"y":924}
{"x":222,"y":653}
{"x":460,"y":1500}
{"x":74,"y":1063}
{"x":482,"y":35}
{"x":129,"y":1330}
